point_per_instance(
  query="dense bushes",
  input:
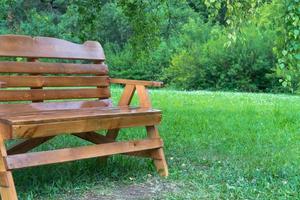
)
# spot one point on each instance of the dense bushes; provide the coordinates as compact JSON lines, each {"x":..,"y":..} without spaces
{"x":171,"y":40}
{"x":209,"y":62}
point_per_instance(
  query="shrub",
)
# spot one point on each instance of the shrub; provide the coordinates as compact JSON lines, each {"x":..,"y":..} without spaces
{"x":210,"y":63}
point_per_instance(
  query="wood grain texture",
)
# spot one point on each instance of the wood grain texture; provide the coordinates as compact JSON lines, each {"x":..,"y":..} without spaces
{"x":8,"y":191}
{"x":143,"y":95}
{"x":127,"y":95}
{"x":63,"y":105}
{"x":5,"y":131}
{"x":158,"y":154}
{"x":71,"y":154}
{"x":45,"y":47}
{"x":41,"y":94}
{"x":96,"y":138}
{"x":7,"y":185}
{"x":52,"y":68}
{"x":85,"y":125}
{"x":74,"y":114}
{"x":54,"y":81}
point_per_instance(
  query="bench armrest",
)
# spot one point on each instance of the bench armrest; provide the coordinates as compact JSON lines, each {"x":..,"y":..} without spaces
{"x":132,"y":86}
{"x":136,"y":82}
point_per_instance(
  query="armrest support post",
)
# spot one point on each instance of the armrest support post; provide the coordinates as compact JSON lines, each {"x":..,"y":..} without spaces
{"x":143,"y":95}
{"x":140,"y":87}
{"x":127,"y":95}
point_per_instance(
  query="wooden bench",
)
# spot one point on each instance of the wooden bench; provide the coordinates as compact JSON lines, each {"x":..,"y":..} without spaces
{"x":32,"y":117}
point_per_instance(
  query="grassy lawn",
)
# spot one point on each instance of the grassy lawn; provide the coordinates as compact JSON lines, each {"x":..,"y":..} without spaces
{"x":218,"y":146}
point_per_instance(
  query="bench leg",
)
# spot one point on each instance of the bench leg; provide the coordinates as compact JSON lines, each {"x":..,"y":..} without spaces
{"x":7,"y":185}
{"x":8,"y":190}
{"x":158,"y":155}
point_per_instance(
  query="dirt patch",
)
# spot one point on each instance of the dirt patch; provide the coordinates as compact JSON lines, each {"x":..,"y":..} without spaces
{"x":152,"y":189}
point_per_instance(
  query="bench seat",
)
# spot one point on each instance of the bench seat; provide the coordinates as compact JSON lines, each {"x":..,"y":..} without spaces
{"x":41,"y":122}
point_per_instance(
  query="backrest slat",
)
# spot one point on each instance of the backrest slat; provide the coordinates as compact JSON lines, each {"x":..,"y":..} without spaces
{"x":42,"y":94}
{"x":66,"y":105}
{"x":54,"y":81}
{"x":45,"y":47}
{"x":52,"y":68}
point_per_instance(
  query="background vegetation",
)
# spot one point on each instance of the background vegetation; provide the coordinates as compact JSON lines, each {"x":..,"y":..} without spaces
{"x":236,"y":145}
{"x":189,"y":44}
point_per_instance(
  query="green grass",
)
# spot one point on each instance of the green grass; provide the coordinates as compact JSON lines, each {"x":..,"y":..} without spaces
{"x":218,"y":146}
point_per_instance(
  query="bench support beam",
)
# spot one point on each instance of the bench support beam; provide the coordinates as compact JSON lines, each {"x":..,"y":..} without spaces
{"x":97,"y":138}
{"x":70,"y":154}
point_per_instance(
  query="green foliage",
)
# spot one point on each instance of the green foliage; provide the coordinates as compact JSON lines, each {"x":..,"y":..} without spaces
{"x":154,"y":39}
{"x":289,"y":54}
{"x":145,"y":67}
{"x":286,"y":20}
{"x":39,"y":23}
{"x":144,"y":17}
{"x":206,"y":62}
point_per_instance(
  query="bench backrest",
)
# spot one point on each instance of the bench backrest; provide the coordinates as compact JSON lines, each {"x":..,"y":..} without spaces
{"x":35,"y":80}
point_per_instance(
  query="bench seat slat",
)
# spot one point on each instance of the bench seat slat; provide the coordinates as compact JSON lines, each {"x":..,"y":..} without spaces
{"x":54,"y":81}
{"x":74,"y":114}
{"x":52,"y":68}
{"x":79,"y":126}
{"x":40,"y":94}
{"x":71,"y":154}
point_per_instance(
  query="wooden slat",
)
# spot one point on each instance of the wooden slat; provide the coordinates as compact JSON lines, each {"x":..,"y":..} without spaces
{"x":40,"y":94}
{"x":85,"y":125}
{"x":54,"y":81}
{"x":71,"y":154}
{"x":45,"y":47}
{"x":52,"y":68}
{"x":70,"y":115}
{"x":96,"y":138}
{"x":65,"y":105}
